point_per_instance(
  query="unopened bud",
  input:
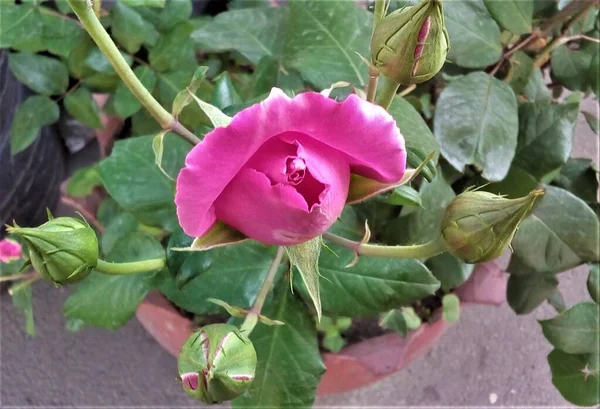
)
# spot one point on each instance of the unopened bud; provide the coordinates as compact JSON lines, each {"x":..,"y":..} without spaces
{"x":410,"y":45}
{"x":478,"y":226}
{"x":63,"y":250}
{"x":217,"y":363}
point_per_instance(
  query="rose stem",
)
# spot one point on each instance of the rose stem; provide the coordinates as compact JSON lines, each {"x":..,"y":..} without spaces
{"x":254,"y":311}
{"x":418,"y":251}
{"x":388,"y":89}
{"x":134,"y":267}
{"x":83,"y":9}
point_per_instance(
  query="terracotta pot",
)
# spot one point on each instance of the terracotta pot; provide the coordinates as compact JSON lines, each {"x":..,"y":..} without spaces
{"x":357,"y":365}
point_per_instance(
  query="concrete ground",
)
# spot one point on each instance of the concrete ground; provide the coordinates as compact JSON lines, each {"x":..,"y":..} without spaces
{"x":491,"y":357}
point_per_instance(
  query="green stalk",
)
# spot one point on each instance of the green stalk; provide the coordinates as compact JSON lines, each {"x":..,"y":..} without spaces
{"x":418,"y":251}
{"x":254,"y":312}
{"x":84,"y":11}
{"x":134,"y":267}
{"x":387,"y":92}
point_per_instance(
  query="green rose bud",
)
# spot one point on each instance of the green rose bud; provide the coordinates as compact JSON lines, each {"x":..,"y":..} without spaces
{"x":63,"y":250}
{"x":410,"y":45}
{"x":479,"y":226}
{"x":217,"y":363}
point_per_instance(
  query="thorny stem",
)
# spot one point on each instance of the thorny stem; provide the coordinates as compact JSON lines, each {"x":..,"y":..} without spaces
{"x":134,"y":267}
{"x":418,"y":251}
{"x":388,"y":89}
{"x":254,"y":311}
{"x":557,"y":42}
{"x":90,"y":22}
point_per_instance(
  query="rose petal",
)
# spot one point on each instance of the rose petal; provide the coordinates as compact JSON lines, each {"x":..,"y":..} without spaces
{"x":190,"y":380}
{"x":364,"y":133}
{"x":9,"y":251}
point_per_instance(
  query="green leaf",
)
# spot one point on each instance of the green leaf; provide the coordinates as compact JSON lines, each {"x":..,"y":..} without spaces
{"x":18,"y":24}
{"x":545,"y":137}
{"x":570,"y":67}
{"x":158,"y":148}
{"x":450,"y":308}
{"x":477,"y":123}
{"x":420,"y":142}
{"x":513,"y":15}
{"x":232,"y":273}
{"x":576,"y":330}
{"x":44,"y":75}
{"x":96,"y":61}
{"x":592,"y":121}
{"x":404,"y":196}
{"x":254,"y":32}
{"x":175,"y":12}
{"x":119,"y":226}
{"x":579,"y":176}
{"x":265,"y":76}
{"x":305,"y":257}
{"x":536,"y":90}
{"x":108,"y":210}
{"x":109,"y":301}
{"x":214,"y":114}
{"x":520,"y":71}
{"x":81,"y":105}
{"x":561,"y":233}
{"x":135,"y":182}
{"x":373,"y":285}
{"x":412,"y":319}
{"x":61,"y":34}
{"x":146,"y":3}
{"x":474,"y":35}
{"x":576,"y":377}
{"x":420,"y":225}
{"x":395,"y":321}
{"x":184,"y":97}
{"x":450,"y":270}
{"x":83,"y":181}
{"x":23,"y":301}
{"x":325,"y":40}
{"x":593,"y":282}
{"x":130,"y":30}
{"x":224,"y":93}
{"x":123,"y":103}
{"x":289,"y":363}
{"x":174,"y":50}
{"x":517,"y":183}
{"x":33,"y":114}
{"x":525,"y":292}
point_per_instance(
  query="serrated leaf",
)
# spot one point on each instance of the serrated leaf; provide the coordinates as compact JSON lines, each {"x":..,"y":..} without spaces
{"x":23,"y":301}
{"x":289,"y":363}
{"x":145,"y":3}
{"x":18,"y":24}
{"x":593,"y":282}
{"x":450,"y":308}
{"x":526,"y":292}
{"x":576,"y":330}
{"x":305,"y":257}
{"x":264,"y":78}
{"x":61,"y":34}
{"x":183,"y":98}
{"x":536,"y":90}
{"x":174,"y":50}
{"x":254,"y":33}
{"x":120,"y":225}
{"x":110,"y":301}
{"x":325,"y":48}
{"x":570,"y":67}
{"x":132,"y":178}
{"x":95,"y":61}
{"x":547,"y":243}
{"x":123,"y":103}
{"x":576,"y":377}
{"x":83,"y":181}
{"x":174,"y":12}
{"x":44,"y":75}
{"x":514,"y":15}
{"x":81,"y":105}
{"x":521,"y":69}
{"x":33,"y":114}
{"x":477,"y":123}
{"x":130,"y":30}
{"x":474,"y":35}
{"x":580,"y":177}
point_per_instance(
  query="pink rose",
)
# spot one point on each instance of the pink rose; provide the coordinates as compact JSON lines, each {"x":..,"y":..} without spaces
{"x":280,"y":172}
{"x":9,"y":251}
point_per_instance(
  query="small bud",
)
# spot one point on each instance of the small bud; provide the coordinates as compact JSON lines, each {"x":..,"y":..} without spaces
{"x":217,"y":363}
{"x":410,"y":45}
{"x":63,"y":250}
{"x":478,"y":226}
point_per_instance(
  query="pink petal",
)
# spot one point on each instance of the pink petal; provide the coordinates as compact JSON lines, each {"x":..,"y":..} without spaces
{"x":9,"y":251}
{"x":364,"y":134}
{"x":190,"y":380}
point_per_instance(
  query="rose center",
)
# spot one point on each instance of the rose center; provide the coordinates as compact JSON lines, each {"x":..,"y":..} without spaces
{"x":295,"y":169}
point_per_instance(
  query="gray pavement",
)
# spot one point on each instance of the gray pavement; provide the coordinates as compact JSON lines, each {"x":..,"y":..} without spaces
{"x":491,"y":357}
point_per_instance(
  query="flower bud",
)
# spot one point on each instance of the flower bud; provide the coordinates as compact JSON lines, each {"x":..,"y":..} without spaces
{"x":9,"y":251}
{"x":410,"y":45}
{"x":217,"y":363}
{"x":63,"y":250}
{"x":478,"y":226}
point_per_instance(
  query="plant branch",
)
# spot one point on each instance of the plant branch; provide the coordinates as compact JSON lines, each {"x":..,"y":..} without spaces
{"x":419,"y":251}
{"x":387,"y":92}
{"x":134,"y":267}
{"x":557,"y":42}
{"x":22,"y":276}
{"x":84,"y":11}
{"x":254,"y":312}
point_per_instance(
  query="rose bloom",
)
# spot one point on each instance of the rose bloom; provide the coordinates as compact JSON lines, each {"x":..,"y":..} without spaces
{"x":282,"y":170}
{"x":9,"y":251}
